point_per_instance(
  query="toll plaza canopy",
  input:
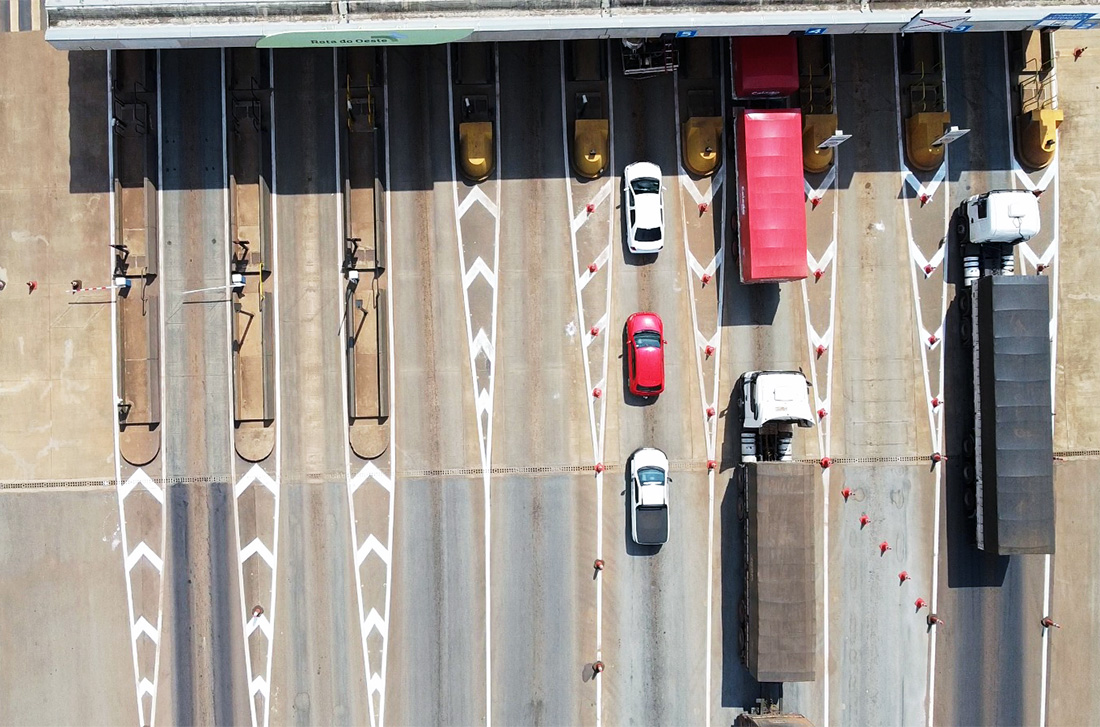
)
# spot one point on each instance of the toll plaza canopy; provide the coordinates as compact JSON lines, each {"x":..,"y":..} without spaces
{"x":96,"y":24}
{"x":771,"y":196}
{"x":765,"y":65}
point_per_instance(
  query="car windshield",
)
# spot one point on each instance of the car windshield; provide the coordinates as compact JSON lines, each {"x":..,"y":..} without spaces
{"x":646,"y":185}
{"x":651,"y":476}
{"x":647,"y":234}
{"x":647,"y":339}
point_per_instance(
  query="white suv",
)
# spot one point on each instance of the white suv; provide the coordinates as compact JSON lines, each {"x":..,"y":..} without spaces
{"x":645,"y":208}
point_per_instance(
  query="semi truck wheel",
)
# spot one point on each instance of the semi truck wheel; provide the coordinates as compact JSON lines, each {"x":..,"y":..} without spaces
{"x":743,"y":609}
{"x":741,"y":509}
{"x":968,"y":445}
{"x":964,"y":303}
{"x":970,"y":502}
{"x":965,"y":330}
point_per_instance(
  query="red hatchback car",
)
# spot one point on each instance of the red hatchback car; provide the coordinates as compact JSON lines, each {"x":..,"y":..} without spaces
{"x":645,"y":354}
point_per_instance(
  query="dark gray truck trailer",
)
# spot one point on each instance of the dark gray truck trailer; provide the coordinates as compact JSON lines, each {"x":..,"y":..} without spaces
{"x":1013,"y":442}
{"x":778,"y":634}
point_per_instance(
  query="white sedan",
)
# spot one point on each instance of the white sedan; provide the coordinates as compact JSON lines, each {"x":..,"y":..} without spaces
{"x":645,"y":208}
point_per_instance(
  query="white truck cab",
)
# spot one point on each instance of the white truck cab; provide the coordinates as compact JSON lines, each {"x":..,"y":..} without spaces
{"x":1003,"y":215}
{"x":996,"y":220}
{"x":771,"y":403}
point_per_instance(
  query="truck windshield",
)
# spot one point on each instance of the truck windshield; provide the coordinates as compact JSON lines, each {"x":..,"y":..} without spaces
{"x":651,"y":476}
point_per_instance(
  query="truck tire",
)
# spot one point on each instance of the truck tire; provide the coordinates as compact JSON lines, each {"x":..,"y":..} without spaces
{"x":970,"y":502}
{"x":968,"y":475}
{"x":964,"y":303}
{"x":966,"y":330}
{"x":740,"y":476}
{"x":741,"y":508}
{"x":962,"y":229}
{"x":743,"y":609}
{"x":968,"y":445}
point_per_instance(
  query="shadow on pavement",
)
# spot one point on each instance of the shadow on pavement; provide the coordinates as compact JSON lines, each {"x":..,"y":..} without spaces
{"x":967,"y":567}
{"x":88,"y":166}
{"x":739,"y":688}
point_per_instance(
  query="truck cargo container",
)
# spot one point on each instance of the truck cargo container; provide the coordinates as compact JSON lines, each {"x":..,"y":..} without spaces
{"x":771,"y":196}
{"x":778,"y":632}
{"x":764,"y":65}
{"x":1012,"y":446}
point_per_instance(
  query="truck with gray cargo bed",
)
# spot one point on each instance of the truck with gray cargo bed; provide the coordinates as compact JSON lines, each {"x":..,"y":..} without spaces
{"x":778,"y":630}
{"x":1012,"y":445}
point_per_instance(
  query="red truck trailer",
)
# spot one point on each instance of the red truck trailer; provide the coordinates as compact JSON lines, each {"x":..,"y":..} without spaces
{"x":771,"y":197}
{"x":765,"y":66}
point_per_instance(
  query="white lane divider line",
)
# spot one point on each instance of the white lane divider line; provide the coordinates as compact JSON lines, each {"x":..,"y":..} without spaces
{"x":478,"y":196}
{"x":597,"y":407}
{"x":483,"y":346}
{"x":708,"y":349}
{"x":819,"y":191}
{"x":1048,"y":180}
{"x":919,"y":273}
{"x":714,"y":182}
{"x":253,"y":620}
{"x":583,"y":216}
{"x":371,"y":621}
{"x":823,"y":390}
{"x":143,"y":556}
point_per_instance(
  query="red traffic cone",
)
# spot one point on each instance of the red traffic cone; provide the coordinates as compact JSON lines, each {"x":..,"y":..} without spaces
{"x":597,"y":667}
{"x":936,"y":401}
{"x":928,"y":269}
{"x":709,"y":351}
{"x":257,"y":611}
{"x":825,"y":462}
{"x":846,"y":493}
{"x":903,"y":577}
{"x":32,"y":285}
{"x":818,"y":273}
{"x":920,"y":603}
{"x":820,"y":350}
{"x":590,"y":208}
{"x":863,"y":521}
{"x":598,"y":565}
{"x":711,"y":464}
{"x":883,"y":547}
{"x":710,"y":412}
{"x":937,"y":457}
{"x":814,"y":202}
{"x":925,"y":199}
{"x":705,"y":278}
{"x":934,"y":620}
{"x":1048,"y":622}
{"x":593,"y":267}
{"x":597,"y":392}
{"x":599,"y":467}
{"x":703,"y":207}
{"x":594,"y":330}
{"x":932,"y":339}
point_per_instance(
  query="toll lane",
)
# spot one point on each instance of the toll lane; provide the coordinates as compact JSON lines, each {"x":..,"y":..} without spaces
{"x":203,"y":643}
{"x":654,"y":599}
{"x":317,"y":672}
{"x":437,"y":668}
{"x":543,"y":527}
{"x":988,"y":662}
{"x":878,"y":636}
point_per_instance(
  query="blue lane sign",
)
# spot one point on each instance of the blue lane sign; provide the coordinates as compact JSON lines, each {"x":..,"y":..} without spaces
{"x":1087,"y":25}
{"x":1063,"y":20}
{"x":686,"y":33}
{"x":816,"y":31}
{"x":961,"y":28}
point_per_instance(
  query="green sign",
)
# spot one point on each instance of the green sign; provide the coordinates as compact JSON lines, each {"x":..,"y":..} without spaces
{"x":342,"y":38}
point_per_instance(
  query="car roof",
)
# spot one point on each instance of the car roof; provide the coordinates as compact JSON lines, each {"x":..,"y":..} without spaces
{"x":649,"y":366}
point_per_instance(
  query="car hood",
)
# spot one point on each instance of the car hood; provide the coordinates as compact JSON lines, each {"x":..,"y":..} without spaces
{"x":641,"y":169}
{"x":650,"y":457}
